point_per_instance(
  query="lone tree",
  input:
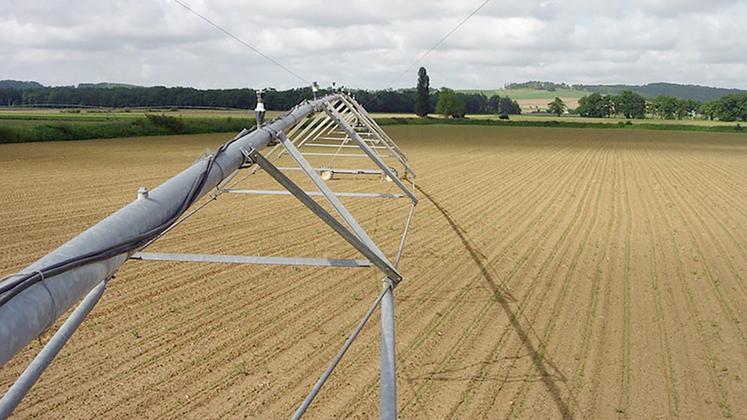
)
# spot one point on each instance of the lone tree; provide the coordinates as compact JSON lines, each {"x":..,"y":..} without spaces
{"x":422,"y":99}
{"x":449,"y":104}
{"x":557,"y":106}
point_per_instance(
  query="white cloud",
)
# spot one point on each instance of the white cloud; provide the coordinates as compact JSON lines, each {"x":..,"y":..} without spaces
{"x":368,"y":43}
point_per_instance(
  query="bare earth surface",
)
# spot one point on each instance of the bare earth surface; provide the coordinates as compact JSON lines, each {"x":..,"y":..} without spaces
{"x":549,"y":273}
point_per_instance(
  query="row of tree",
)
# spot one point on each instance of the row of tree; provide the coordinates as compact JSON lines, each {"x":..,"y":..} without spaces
{"x":632,"y":105}
{"x":731,"y":107}
{"x":394,"y":101}
{"x":538,"y":85}
{"x":627,"y":103}
{"x":457,"y":105}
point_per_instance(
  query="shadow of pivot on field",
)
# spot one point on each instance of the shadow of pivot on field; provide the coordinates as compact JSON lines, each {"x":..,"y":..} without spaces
{"x":504,"y":298}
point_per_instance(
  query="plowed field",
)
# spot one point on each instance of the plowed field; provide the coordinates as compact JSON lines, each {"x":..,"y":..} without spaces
{"x":549,"y":273}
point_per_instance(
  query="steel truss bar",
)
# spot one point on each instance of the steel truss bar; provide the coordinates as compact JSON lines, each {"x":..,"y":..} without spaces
{"x":317,"y":123}
{"x":365,"y":130}
{"x":345,"y":138}
{"x":316,"y":193}
{"x":372,"y":154}
{"x":404,"y":236}
{"x":389,"y":391}
{"x":33,"y":371}
{"x":356,"y":155}
{"x":322,"y":122}
{"x":336,"y":361}
{"x":312,"y":124}
{"x":343,"y":146}
{"x":322,"y":130}
{"x":388,"y":383}
{"x":242,"y":259}
{"x":369,"y":123}
{"x":388,"y":142}
{"x":337,"y":170}
{"x":373,"y":124}
{"x":381,"y":263}
{"x":330,"y":196}
{"x":374,"y":128}
{"x":388,"y":362}
{"x":388,"y":387}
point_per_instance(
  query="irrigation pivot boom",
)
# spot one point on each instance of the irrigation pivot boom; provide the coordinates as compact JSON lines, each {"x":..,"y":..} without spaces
{"x":331,"y":127}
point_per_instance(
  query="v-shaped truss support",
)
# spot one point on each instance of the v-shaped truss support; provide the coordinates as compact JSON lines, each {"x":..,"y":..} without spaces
{"x":358,"y":238}
{"x":347,"y":128}
{"x":343,"y":131}
{"x":375,"y":157}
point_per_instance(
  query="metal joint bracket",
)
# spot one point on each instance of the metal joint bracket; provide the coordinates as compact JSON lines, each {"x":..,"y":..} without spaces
{"x":248,"y":161}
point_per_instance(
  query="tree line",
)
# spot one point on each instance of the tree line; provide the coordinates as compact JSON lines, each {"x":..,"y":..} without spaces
{"x":390,"y":100}
{"x":629,"y":104}
{"x":422,"y":100}
{"x":161,"y":96}
{"x":457,"y":104}
{"x":156,"y":96}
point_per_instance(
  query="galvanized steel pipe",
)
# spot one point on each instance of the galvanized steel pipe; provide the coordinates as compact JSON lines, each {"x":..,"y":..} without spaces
{"x":35,"y":309}
{"x":18,"y":390}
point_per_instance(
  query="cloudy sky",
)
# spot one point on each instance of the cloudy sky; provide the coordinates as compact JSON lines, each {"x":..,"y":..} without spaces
{"x":369,"y":43}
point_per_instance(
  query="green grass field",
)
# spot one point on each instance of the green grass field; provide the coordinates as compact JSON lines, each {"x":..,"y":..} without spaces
{"x":614,"y":120}
{"x":101,"y":115}
{"x":26,"y":125}
{"x":564,"y":119}
{"x":567,"y":122}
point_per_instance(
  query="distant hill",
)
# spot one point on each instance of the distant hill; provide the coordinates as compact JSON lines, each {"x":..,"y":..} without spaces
{"x":537,"y":85}
{"x":18,"y":84}
{"x":695,"y":92}
{"x":542,"y":90}
{"x":105,"y":85}
{"x":24,"y":85}
{"x":534,"y":95}
{"x":530,"y":94}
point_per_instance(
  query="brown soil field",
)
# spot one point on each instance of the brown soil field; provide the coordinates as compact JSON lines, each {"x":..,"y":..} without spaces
{"x":549,"y":273}
{"x":572,"y":103}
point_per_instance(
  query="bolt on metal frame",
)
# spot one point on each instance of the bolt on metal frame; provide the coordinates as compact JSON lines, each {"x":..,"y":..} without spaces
{"x":343,"y":124}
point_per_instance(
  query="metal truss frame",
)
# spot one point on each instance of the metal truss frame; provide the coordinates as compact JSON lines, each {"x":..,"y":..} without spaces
{"x":344,"y":126}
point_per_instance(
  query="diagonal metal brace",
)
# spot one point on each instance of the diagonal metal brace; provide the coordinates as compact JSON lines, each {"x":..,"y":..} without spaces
{"x":246,"y":259}
{"x":375,"y":130}
{"x":371,"y":153}
{"x":331,"y":196}
{"x":254,"y":156}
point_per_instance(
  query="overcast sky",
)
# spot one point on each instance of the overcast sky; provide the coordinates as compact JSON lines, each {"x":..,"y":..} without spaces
{"x":369,"y":43}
